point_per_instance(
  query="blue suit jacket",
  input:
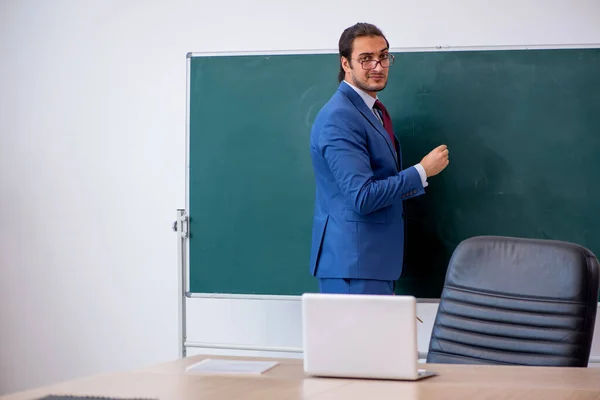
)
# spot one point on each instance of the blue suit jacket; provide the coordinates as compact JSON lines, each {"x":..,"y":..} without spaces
{"x":358,"y":227}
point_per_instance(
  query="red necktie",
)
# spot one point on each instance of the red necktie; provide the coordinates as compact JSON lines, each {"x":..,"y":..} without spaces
{"x":387,"y":121}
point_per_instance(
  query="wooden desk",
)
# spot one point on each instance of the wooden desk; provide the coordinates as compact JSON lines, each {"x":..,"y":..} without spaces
{"x":169,"y":381}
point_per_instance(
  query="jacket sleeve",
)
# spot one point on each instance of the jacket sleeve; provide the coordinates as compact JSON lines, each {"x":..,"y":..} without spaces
{"x":344,"y":149}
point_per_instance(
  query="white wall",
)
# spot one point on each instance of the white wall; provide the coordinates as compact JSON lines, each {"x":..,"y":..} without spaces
{"x":92,"y":106}
{"x":273,"y":328}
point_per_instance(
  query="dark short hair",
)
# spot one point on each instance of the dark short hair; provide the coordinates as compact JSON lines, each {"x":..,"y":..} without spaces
{"x":346,"y":43}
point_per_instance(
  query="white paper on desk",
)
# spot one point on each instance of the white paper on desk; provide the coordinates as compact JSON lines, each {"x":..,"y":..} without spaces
{"x":231,"y":366}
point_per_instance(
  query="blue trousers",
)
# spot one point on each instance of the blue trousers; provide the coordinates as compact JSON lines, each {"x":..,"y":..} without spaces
{"x":355,"y":286}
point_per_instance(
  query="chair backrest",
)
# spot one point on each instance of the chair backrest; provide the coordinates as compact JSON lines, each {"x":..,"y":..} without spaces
{"x":517,"y":301}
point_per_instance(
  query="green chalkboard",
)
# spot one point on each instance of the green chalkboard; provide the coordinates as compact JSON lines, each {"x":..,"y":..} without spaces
{"x":522,"y":126}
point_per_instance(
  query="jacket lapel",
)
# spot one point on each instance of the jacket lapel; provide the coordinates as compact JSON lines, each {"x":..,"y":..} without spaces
{"x":368,"y":114}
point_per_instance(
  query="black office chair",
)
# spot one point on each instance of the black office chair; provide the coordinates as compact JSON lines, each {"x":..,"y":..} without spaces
{"x":517,"y":302}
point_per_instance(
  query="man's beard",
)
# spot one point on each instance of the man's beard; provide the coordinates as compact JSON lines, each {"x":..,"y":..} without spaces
{"x":369,"y":88}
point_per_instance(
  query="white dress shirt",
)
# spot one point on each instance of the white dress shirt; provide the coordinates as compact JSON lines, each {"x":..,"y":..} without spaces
{"x":370,"y":102}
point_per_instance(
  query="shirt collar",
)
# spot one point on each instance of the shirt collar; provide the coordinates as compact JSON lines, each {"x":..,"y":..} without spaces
{"x":368,"y":99}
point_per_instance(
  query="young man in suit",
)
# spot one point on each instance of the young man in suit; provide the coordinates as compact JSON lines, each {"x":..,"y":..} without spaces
{"x":358,"y":227}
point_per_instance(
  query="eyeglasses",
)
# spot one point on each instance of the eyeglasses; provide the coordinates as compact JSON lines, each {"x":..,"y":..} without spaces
{"x":385,"y":62}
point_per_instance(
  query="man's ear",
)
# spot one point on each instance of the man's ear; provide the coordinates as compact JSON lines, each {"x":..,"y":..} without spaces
{"x":345,"y":64}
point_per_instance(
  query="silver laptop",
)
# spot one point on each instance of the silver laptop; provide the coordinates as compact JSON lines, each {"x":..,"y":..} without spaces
{"x":361,"y":336}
